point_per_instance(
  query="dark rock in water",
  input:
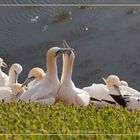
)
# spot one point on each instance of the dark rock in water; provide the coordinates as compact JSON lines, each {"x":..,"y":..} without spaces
{"x":105,"y":39}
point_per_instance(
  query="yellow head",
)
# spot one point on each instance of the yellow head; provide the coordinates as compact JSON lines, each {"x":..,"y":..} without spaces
{"x":37,"y":73}
{"x":112,"y":80}
{"x":55,"y":52}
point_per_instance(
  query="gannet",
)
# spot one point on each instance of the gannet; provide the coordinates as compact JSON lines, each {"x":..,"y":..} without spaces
{"x":34,"y":77}
{"x":68,"y":93}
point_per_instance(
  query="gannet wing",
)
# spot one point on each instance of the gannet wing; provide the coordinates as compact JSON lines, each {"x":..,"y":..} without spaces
{"x":26,"y":96}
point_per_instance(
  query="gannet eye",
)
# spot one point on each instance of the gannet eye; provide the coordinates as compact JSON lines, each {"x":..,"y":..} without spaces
{"x":58,"y":52}
{"x":138,"y":100}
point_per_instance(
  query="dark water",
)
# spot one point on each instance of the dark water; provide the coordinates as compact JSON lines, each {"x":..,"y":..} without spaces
{"x":106,"y":39}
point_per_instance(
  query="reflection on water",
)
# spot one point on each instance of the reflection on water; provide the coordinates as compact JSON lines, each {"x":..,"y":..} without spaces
{"x":35,"y":19}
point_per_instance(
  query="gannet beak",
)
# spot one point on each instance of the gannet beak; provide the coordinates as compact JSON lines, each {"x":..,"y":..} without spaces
{"x":27,"y":81}
{"x":63,"y":50}
{"x":4,"y":65}
{"x":104,"y":80}
{"x":65,"y":44}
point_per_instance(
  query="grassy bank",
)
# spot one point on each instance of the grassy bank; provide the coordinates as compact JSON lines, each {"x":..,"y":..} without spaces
{"x":34,"y":118}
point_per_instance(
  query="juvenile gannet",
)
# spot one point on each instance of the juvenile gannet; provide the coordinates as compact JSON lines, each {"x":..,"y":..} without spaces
{"x":3,"y":77}
{"x":68,"y":93}
{"x":34,"y":77}
{"x":46,"y":91}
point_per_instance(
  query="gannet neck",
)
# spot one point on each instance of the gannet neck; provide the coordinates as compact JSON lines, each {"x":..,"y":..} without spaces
{"x":68,"y":61}
{"x":63,"y":68}
{"x":12,"y":77}
{"x":51,"y":67}
{"x":109,"y":86}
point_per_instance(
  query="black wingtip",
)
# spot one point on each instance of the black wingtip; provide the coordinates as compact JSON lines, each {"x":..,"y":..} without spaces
{"x":119,"y":99}
{"x":110,"y":102}
{"x":94,"y":99}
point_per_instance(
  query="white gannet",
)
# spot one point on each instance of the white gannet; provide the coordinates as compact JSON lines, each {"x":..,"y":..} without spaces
{"x":14,"y":72}
{"x":68,"y":93}
{"x":3,"y":77}
{"x":34,"y":77}
{"x":124,"y":89}
{"x":123,"y":95}
{"x":46,"y":91}
{"x":100,"y":94}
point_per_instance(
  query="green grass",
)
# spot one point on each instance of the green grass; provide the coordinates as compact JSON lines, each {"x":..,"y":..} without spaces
{"x":34,"y":118}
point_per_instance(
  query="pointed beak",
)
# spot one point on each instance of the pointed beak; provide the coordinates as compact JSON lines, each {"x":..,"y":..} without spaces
{"x":27,"y":81}
{"x":104,"y":80}
{"x":4,"y":65}
{"x":65,"y":44}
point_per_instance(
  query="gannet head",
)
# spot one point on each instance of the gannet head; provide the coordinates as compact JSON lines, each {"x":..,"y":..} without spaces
{"x":35,"y":73}
{"x":112,"y":80}
{"x":56,"y":51}
{"x":123,"y":83}
{"x":2,"y":64}
{"x":113,"y":83}
{"x":17,"y":89}
{"x":16,"y":68}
